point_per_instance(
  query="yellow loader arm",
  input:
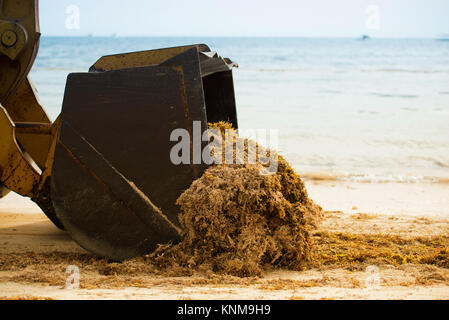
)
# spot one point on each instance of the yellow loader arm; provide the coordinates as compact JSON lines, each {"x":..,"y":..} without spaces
{"x":16,"y":172}
{"x":19,"y":43}
{"x":25,"y":129}
{"x":103,"y":170}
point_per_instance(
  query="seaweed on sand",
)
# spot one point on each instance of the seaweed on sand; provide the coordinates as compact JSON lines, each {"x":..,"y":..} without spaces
{"x":239,"y":221}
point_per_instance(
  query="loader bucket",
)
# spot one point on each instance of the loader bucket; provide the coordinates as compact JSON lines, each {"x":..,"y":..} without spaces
{"x":3,"y":191}
{"x":113,"y":184}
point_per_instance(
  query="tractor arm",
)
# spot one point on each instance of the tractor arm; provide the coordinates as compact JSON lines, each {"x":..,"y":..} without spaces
{"x":19,"y":42}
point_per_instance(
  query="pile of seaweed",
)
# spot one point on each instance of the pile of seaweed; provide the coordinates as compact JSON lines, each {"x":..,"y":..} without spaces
{"x":240,"y":221}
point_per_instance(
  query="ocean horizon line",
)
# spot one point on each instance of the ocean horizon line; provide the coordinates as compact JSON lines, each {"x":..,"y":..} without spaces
{"x":356,"y":37}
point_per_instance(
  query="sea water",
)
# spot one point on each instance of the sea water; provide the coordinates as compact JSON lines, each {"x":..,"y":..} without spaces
{"x":373,"y":111}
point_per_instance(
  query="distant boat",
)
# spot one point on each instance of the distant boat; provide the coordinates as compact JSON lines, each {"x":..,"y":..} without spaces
{"x":365,"y":37}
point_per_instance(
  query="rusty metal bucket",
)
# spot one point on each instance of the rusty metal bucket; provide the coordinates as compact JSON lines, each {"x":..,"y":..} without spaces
{"x":113,"y":185}
{"x":3,"y":191}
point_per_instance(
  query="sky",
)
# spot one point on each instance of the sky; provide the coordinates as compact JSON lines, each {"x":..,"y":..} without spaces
{"x":246,"y":18}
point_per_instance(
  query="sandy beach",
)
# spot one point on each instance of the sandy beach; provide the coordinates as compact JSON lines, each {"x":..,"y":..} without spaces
{"x":34,"y":255}
{"x":325,"y":175}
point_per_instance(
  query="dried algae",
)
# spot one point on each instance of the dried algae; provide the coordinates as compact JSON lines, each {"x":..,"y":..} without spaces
{"x":239,"y":221}
{"x":423,"y":260}
{"x":350,"y":250}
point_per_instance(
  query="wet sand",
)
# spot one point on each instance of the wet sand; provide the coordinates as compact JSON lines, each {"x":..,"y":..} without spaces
{"x":34,"y":255}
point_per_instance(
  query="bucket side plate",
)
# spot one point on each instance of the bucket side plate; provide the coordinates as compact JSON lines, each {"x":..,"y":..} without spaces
{"x":114,"y":186}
